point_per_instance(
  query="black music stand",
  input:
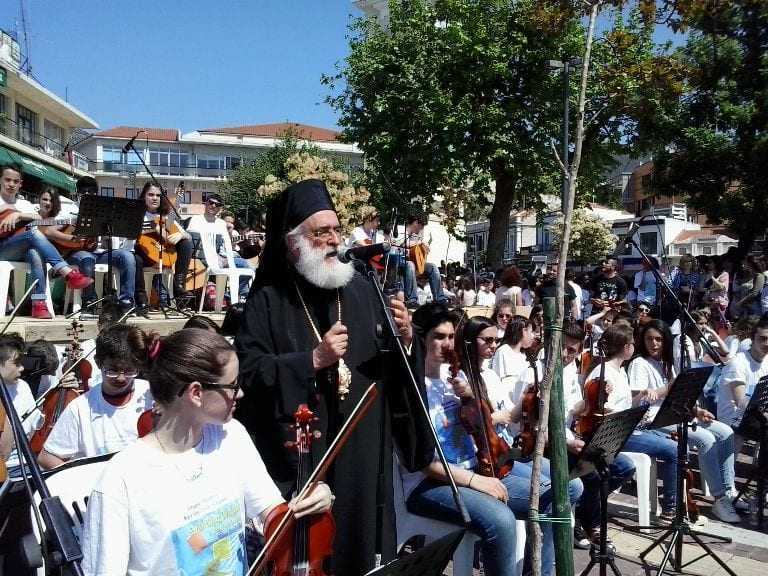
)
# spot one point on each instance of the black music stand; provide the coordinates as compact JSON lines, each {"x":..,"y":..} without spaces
{"x":754,"y":426}
{"x":430,"y":560}
{"x":597,"y":455}
{"x":105,"y":216}
{"x":679,"y":408}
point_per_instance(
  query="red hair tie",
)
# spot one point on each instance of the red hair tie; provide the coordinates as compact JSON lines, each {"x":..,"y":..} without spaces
{"x":154,"y":349}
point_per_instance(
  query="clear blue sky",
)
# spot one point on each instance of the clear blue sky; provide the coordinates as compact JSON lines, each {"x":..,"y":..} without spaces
{"x":187,"y":64}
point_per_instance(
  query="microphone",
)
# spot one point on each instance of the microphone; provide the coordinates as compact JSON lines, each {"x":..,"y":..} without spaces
{"x":363,"y":253}
{"x":624,"y":240}
{"x":128,"y":145}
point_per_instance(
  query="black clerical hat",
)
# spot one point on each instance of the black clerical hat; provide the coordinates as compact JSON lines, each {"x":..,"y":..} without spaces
{"x":294,"y":205}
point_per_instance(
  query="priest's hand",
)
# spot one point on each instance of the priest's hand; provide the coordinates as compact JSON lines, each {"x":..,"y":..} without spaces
{"x":402,"y":319}
{"x":331,"y":348}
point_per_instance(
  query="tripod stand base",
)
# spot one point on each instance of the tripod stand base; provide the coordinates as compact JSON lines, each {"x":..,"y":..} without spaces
{"x":602,"y":560}
{"x":677,"y":531}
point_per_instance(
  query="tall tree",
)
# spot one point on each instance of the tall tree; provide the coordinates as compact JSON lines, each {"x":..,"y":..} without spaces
{"x":713,"y":149}
{"x":459,"y":95}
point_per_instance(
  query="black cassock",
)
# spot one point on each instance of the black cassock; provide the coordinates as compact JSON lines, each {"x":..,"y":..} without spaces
{"x":275,"y":348}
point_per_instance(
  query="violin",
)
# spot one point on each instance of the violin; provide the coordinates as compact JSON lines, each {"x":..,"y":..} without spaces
{"x":306,"y":548}
{"x":594,"y":404}
{"x":494,"y":456}
{"x":529,"y":412}
{"x":59,"y":398}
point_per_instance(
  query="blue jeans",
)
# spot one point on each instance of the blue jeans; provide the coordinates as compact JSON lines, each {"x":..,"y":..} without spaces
{"x":122,"y":260}
{"x":714,"y":442}
{"x":491,"y":519}
{"x":32,"y":247}
{"x":658,"y":444}
{"x":409,"y":280}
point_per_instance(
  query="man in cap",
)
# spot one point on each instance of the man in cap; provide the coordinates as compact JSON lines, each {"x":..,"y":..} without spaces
{"x":310,"y":335}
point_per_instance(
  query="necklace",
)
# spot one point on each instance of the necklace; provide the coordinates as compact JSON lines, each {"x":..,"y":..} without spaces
{"x":188,"y":469}
{"x":344,"y":374}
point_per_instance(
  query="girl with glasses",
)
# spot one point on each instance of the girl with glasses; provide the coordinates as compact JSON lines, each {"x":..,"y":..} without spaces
{"x":178,"y":500}
{"x":103,"y":420}
{"x":502,"y":314}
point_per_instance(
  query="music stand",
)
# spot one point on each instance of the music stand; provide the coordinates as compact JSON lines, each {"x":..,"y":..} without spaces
{"x":430,"y":560}
{"x":753,"y":425}
{"x":105,"y":216}
{"x":679,"y":408}
{"x":597,"y":455}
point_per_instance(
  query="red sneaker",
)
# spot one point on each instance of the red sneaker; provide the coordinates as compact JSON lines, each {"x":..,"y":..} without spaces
{"x":40,"y":310}
{"x":78,"y":281}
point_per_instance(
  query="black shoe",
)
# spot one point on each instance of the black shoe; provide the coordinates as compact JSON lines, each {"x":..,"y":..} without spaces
{"x":580,"y":540}
{"x":179,"y":286}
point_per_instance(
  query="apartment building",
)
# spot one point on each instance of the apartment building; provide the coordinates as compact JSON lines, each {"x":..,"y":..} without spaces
{"x":201,"y":159}
{"x":38,"y":129}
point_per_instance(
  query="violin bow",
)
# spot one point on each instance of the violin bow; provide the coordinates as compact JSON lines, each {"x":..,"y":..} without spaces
{"x":361,"y":409}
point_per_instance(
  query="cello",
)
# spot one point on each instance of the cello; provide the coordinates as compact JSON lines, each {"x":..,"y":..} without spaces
{"x":306,"y":548}
{"x":59,"y":398}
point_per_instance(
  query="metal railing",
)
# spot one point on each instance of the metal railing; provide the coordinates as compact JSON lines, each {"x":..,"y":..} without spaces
{"x":27,"y":135}
{"x":186,"y":171}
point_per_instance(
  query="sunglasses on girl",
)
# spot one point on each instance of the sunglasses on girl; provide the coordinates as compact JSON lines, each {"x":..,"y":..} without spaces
{"x":490,"y":340}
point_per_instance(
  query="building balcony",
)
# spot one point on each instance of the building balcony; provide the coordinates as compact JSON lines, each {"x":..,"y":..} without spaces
{"x":29,"y":137}
{"x":127,"y":168}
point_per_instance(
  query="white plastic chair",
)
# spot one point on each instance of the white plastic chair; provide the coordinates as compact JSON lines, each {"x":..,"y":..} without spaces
{"x":230,"y":274}
{"x":166,"y":278}
{"x":75,"y":295}
{"x":647,"y":486}
{"x":409,"y":525}
{"x":73,"y":483}
{"x":19,"y":271}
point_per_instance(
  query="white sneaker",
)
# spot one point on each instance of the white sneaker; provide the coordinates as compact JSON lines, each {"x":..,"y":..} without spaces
{"x":724,"y":510}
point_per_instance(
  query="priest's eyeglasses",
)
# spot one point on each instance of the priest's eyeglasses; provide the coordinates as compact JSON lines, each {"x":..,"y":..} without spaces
{"x":325,"y":232}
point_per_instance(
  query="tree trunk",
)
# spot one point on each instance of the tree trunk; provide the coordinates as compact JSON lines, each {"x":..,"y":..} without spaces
{"x":498,"y":220}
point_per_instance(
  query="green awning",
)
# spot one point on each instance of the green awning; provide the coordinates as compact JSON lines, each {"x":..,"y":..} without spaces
{"x":31,"y":167}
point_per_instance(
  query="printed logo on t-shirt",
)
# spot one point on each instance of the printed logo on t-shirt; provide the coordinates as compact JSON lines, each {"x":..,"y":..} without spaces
{"x":212,"y":544}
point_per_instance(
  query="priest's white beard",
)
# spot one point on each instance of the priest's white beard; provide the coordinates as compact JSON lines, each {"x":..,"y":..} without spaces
{"x":312,"y":264}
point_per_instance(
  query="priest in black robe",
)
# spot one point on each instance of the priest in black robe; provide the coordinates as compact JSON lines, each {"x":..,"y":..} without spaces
{"x":309,"y":320}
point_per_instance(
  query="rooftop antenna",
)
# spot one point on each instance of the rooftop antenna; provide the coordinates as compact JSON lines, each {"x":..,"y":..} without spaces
{"x":26,"y":64}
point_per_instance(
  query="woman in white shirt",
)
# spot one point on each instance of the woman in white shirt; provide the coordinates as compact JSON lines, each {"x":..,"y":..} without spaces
{"x":651,"y":374}
{"x":178,"y":500}
{"x":619,"y":346}
{"x":502,"y":314}
{"x":510,"y":362}
{"x":510,"y":286}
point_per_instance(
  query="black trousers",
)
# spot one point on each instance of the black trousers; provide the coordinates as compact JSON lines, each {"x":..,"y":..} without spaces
{"x":183,"y":257}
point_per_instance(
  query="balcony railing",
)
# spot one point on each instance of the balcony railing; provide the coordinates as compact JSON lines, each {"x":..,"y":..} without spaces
{"x":187,"y":171}
{"x":26,"y":135}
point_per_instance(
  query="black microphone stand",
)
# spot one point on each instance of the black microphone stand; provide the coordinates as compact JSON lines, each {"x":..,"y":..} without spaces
{"x":681,"y":527}
{"x":393,"y":331}
{"x":161,"y":224}
{"x":66,"y":548}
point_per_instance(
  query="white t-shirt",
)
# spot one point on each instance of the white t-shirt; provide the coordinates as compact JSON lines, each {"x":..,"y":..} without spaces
{"x":23,"y":402}
{"x":20,"y":205}
{"x":504,"y":395}
{"x":645,"y":374}
{"x":512,"y":293}
{"x":742,"y":368}
{"x":177,"y":514}
{"x":485,"y":298}
{"x":468,"y":297}
{"x":621,"y":396}
{"x":91,"y":426}
{"x":509,"y":363}
{"x":578,"y":300}
{"x":571,"y":395}
{"x":359,"y":236}
{"x":645,"y":284}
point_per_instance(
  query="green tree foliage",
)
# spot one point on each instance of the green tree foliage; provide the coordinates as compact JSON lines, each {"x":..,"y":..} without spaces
{"x":591,"y":238}
{"x":714,"y":149}
{"x":459,"y":95}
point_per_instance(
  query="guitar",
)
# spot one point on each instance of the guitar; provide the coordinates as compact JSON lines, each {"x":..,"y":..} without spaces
{"x":21,"y":226}
{"x":153,"y":246}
